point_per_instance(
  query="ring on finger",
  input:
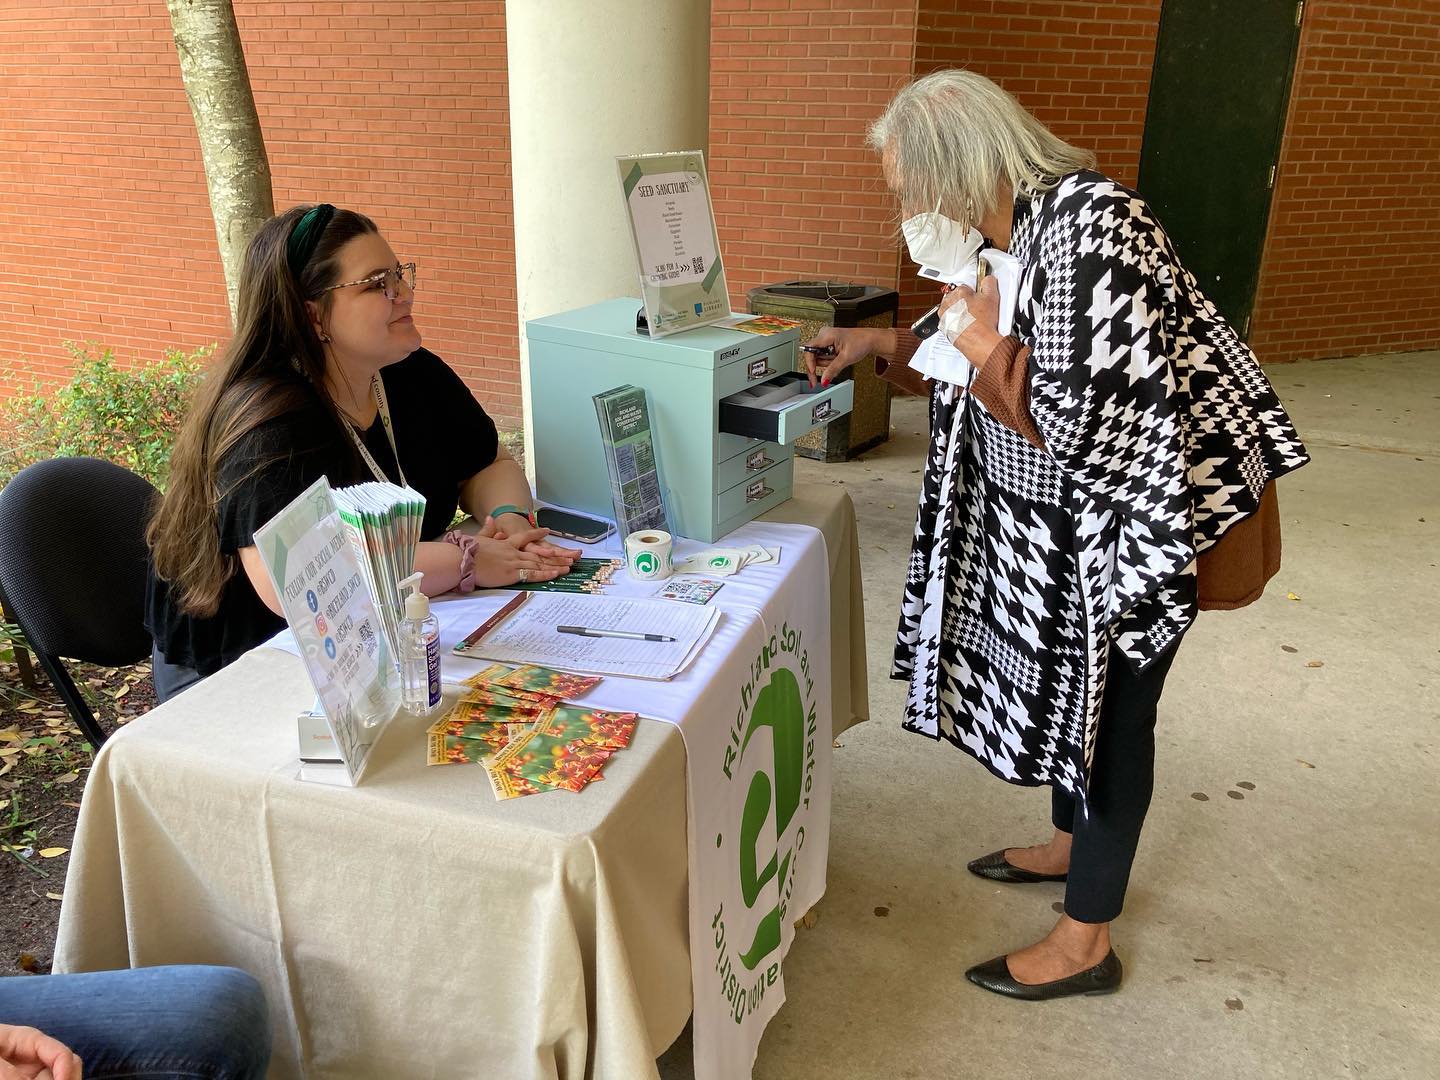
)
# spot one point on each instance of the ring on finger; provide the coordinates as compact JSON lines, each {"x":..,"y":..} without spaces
{"x":524,"y":574}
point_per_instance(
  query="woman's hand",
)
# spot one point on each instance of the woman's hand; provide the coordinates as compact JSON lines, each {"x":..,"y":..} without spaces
{"x":533,"y":553}
{"x":25,"y":1052}
{"x":850,"y":344}
{"x":981,"y":332}
{"x":499,"y":563}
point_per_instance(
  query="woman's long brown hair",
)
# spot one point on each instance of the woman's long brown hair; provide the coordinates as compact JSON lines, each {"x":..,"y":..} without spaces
{"x":263,"y":374}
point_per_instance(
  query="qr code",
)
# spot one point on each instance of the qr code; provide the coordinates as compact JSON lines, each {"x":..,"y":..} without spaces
{"x":697,"y":264}
{"x":367,"y":637}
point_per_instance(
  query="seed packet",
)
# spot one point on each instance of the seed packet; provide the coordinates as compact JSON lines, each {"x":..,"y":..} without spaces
{"x":492,"y":712}
{"x":489,"y":675}
{"x":549,"y":761}
{"x":507,"y":785}
{"x":535,"y":679}
{"x":495,"y":736}
{"x":608,"y":730}
{"x":449,"y":750}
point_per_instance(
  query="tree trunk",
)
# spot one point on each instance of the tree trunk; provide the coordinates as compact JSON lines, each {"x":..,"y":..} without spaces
{"x":237,"y":172}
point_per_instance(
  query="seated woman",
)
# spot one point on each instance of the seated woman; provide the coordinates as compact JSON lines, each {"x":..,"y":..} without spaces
{"x":325,"y":376}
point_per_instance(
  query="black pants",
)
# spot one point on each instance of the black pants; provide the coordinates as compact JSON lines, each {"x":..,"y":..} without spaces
{"x":1121,"y":780}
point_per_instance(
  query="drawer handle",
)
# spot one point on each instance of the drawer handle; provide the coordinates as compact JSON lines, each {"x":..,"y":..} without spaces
{"x":759,"y":369}
{"x":757,"y":461}
{"x":757,"y":491}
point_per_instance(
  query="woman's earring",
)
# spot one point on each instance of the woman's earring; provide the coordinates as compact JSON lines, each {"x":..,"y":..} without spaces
{"x":325,"y":339}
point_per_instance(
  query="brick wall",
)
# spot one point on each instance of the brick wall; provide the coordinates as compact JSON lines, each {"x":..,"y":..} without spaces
{"x":793,"y":85}
{"x":105,"y":230}
{"x":1352,"y":255}
{"x":1082,"y":69}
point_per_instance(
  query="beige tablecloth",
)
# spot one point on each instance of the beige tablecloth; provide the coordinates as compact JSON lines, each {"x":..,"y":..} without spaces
{"x":413,"y":926}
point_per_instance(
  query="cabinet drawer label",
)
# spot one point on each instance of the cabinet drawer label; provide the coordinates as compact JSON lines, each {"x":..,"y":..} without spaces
{"x":758,"y":369}
{"x":822,"y":411}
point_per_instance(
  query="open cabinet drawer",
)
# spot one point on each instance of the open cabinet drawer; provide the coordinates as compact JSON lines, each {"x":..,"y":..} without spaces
{"x":785,"y":408}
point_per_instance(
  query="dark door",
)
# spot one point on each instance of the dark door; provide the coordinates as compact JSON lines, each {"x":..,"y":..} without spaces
{"x":1212,"y":136}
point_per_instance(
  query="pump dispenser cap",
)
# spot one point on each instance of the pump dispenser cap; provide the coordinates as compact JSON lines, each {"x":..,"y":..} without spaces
{"x":417,"y":604}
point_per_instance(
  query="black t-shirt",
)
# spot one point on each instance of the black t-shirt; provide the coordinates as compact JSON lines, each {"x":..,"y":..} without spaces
{"x":443,"y":435}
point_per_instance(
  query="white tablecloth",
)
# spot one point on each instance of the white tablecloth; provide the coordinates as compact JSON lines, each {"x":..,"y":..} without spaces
{"x":413,"y":926}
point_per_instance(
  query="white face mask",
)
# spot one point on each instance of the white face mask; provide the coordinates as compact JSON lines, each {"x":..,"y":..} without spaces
{"x":941,"y":243}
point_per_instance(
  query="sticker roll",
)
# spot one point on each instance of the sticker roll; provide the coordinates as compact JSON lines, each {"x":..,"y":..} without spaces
{"x":648,"y":555}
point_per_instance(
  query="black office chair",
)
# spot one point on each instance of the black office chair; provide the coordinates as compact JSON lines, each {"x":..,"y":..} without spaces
{"x":73,"y":564}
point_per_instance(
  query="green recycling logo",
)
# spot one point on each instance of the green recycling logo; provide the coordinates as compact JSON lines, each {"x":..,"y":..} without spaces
{"x":646,"y":563}
{"x":777,"y":709}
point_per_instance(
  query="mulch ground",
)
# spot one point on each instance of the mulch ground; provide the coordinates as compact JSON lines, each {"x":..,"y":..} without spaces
{"x":44,"y":762}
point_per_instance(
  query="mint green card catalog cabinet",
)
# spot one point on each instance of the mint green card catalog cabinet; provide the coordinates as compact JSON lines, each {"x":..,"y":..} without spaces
{"x":725,"y":408}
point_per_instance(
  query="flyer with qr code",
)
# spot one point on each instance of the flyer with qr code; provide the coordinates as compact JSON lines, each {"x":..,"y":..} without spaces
{"x":331,"y":611}
{"x":667,"y":202}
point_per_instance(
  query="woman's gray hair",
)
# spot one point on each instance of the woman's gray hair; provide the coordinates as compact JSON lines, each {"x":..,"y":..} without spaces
{"x":954,"y":135}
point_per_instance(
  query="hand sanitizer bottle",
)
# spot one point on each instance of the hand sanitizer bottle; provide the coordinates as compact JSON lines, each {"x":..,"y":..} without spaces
{"x":419,"y":647}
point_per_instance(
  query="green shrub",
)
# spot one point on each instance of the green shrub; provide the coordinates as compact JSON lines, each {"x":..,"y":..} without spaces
{"x":128,"y":416}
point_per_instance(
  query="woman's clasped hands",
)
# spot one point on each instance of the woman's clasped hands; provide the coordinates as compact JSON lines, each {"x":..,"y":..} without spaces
{"x":526,"y":555}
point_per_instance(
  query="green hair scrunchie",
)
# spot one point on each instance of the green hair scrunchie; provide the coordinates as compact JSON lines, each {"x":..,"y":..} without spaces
{"x":306,"y":235}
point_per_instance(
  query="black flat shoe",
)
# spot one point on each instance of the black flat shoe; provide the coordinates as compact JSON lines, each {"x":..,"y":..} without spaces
{"x":995,"y":867}
{"x":994,"y":975}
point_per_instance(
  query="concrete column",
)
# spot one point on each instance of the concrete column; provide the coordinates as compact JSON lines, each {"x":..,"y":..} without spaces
{"x":588,"y":81}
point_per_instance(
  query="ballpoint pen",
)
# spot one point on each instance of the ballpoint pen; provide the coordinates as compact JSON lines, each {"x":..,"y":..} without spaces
{"x":631,"y":635}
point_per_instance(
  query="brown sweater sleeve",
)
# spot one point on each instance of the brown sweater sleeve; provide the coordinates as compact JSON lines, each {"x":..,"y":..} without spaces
{"x":1003,"y":387}
{"x":897,"y":370}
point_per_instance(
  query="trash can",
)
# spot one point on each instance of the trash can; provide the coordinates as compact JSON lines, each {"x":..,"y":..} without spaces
{"x":832,"y":303}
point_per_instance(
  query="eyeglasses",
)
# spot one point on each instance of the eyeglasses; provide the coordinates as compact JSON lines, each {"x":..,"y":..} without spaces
{"x":388,"y":280}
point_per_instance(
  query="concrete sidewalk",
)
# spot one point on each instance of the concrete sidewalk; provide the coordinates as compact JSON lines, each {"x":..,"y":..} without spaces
{"x":1282,"y":917}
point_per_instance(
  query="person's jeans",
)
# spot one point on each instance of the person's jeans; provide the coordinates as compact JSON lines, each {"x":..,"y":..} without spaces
{"x":170,"y":678}
{"x":160,"y":1023}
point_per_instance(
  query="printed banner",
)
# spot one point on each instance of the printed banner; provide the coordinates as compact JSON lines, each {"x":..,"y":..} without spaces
{"x":759,"y":803}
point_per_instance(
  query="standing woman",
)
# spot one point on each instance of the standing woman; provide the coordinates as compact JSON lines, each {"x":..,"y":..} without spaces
{"x":1093,"y":458}
{"x":325,"y":376}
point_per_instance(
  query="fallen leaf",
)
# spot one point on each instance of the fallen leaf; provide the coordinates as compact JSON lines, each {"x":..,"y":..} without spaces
{"x":1314,"y":663}
{"x":68,"y":778}
{"x":1289,"y":649}
{"x":889,"y":506}
{"x":1291,"y":596}
{"x":4,"y":803}
{"x":54,"y":896}
{"x":1305,"y":763}
{"x":28,"y":963}
{"x":9,"y":751}
{"x":125,"y":689}
{"x":52,"y":852}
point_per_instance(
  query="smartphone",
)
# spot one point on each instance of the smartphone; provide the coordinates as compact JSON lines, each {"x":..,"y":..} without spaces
{"x":927,"y":324}
{"x":572,"y":526}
